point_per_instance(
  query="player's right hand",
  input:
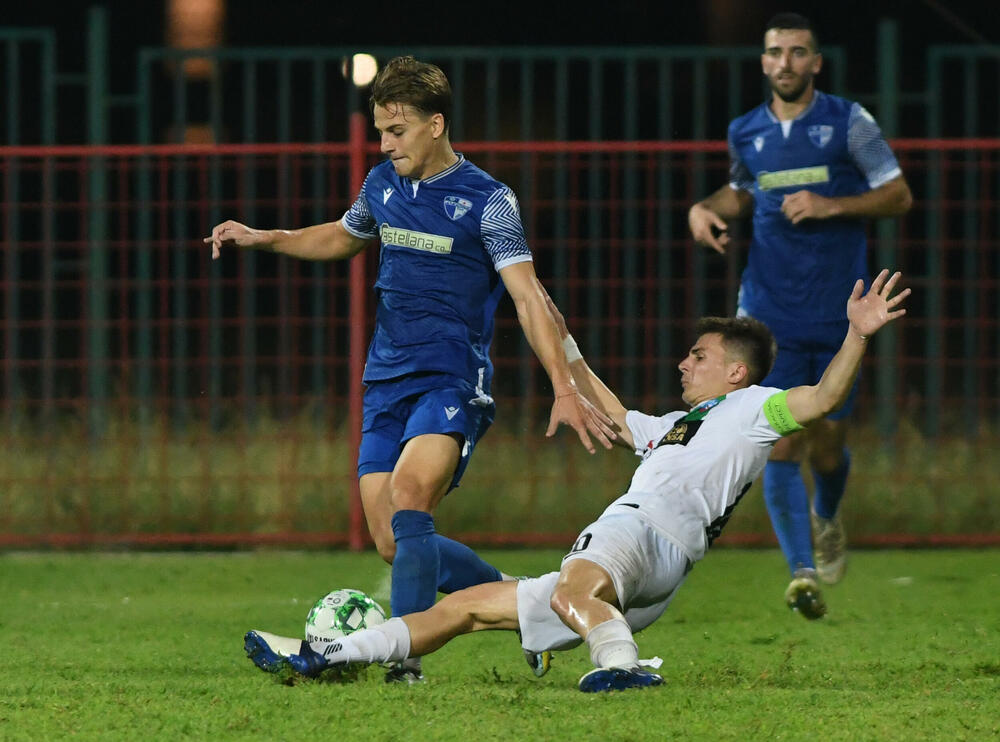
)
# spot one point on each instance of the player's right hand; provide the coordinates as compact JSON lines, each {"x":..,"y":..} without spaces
{"x":234,"y":234}
{"x":587,"y":420}
{"x":708,"y":228}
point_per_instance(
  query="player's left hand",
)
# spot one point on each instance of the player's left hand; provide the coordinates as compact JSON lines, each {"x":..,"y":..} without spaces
{"x":869,"y":313}
{"x":807,"y":205}
{"x":577,"y":412}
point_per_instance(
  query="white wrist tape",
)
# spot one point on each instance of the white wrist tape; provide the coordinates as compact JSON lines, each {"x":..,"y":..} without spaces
{"x":571,"y":349}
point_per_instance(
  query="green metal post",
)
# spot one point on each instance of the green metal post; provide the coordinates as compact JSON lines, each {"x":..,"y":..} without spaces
{"x":970,"y":254}
{"x":699,"y":263}
{"x":665,"y":224}
{"x":934,"y":349}
{"x":595,"y":237}
{"x":526,"y":197}
{"x":282,"y":385}
{"x":215,"y":175}
{"x":630,"y":292}
{"x":887,"y":407}
{"x":560,"y":264}
{"x":98,"y":352}
{"x":48,"y":71}
{"x":248,"y":259}
{"x":144,"y":250}
{"x":318,"y":269}
{"x":12,"y":236}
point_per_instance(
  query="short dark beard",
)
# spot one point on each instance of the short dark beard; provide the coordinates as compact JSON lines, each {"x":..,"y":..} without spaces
{"x":792,"y":96}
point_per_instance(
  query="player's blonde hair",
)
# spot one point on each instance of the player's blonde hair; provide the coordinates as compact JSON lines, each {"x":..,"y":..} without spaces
{"x":415,"y":83}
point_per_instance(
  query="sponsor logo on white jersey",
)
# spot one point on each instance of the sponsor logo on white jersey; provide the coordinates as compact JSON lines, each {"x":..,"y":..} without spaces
{"x":450,"y":412}
{"x":820,"y":134}
{"x":386,"y":195}
{"x":456,"y":207}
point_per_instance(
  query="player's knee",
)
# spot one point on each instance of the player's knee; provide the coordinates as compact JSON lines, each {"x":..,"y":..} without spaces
{"x":826,"y":459}
{"x":408,"y":494}
{"x":386,"y":549}
{"x":561,"y":602}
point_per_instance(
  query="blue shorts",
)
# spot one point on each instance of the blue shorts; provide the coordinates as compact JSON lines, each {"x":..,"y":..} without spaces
{"x":801,"y":362}
{"x":400,"y":409}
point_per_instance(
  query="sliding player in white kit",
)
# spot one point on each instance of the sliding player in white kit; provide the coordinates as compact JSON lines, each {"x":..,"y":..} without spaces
{"x":625,"y":567}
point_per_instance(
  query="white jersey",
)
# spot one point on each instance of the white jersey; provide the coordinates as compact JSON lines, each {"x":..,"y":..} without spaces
{"x":697,"y":465}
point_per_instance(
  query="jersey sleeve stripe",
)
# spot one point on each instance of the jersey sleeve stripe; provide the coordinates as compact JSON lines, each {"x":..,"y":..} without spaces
{"x":358,"y":219}
{"x":501,"y":264}
{"x":503,"y":234}
{"x":868,"y":148}
{"x":357,"y":233}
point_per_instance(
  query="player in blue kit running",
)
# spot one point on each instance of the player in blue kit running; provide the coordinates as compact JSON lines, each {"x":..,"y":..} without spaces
{"x":811,"y":167}
{"x":451,"y":241}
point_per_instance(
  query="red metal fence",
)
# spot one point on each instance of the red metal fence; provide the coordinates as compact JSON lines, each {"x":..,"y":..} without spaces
{"x":151,"y":395}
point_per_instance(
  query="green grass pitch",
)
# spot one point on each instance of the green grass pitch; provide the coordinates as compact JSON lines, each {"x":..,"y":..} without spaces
{"x":128,"y":646}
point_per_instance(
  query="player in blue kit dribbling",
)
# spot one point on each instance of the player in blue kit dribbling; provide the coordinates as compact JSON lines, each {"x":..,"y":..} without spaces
{"x":451,"y":241}
{"x":811,"y":167}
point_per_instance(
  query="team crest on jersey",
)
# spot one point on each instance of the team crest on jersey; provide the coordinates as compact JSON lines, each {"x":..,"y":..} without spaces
{"x":456,"y":207}
{"x":758,"y":143}
{"x":820,"y":134}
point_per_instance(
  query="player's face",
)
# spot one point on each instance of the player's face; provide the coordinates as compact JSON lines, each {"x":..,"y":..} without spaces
{"x":706,"y":373}
{"x":410,"y":139}
{"x":790,"y":61}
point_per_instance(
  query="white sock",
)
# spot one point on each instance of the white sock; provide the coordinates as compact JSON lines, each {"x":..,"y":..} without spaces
{"x":611,"y":644}
{"x":388,"y":642}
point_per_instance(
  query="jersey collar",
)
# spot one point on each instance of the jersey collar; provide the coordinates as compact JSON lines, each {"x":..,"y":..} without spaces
{"x":706,"y":405}
{"x":443,"y":174}
{"x":805,"y":112}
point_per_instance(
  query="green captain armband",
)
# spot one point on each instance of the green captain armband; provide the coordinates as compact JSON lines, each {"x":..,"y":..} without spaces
{"x":777,"y":413}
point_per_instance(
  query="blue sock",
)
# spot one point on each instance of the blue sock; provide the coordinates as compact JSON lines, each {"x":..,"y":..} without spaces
{"x":788,"y":504}
{"x":415,"y":568}
{"x":830,"y":488}
{"x":461,"y":567}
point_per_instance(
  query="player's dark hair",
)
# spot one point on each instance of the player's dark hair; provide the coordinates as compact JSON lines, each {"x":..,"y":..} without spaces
{"x":746,"y":339}
{"x":793,"y":22}
{"x":419,"y":84}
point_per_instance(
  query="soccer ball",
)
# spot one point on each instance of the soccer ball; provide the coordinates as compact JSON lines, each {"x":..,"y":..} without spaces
{"x":341,"y":612}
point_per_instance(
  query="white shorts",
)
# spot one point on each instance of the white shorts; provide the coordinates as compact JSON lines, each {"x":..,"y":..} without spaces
{"x":646,"y":569}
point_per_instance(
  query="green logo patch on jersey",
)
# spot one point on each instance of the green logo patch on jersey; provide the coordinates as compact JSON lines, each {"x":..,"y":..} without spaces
{"x":790,"y":178}
{"x":416,"y":240}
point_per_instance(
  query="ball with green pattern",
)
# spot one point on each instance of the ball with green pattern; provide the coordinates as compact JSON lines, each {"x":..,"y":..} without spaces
{"x":342,"y":612}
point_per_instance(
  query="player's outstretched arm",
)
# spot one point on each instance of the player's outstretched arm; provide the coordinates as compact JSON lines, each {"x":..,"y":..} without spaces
{"x":329,"y":241}
{"x":866,"y":314}
{"x":570,"y":406}
{"x":588,"y":382}
{"x":708,"y":219}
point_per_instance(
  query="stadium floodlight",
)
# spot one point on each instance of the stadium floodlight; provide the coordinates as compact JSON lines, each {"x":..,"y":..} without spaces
{"x":362,"y":70}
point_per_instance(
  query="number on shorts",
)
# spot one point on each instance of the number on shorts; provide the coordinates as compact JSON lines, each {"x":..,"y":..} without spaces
{"x":581,"y":544}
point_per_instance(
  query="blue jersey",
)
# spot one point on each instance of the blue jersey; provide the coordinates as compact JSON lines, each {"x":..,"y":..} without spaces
{"x":803,"y":273}
{"x":443,"y":241}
